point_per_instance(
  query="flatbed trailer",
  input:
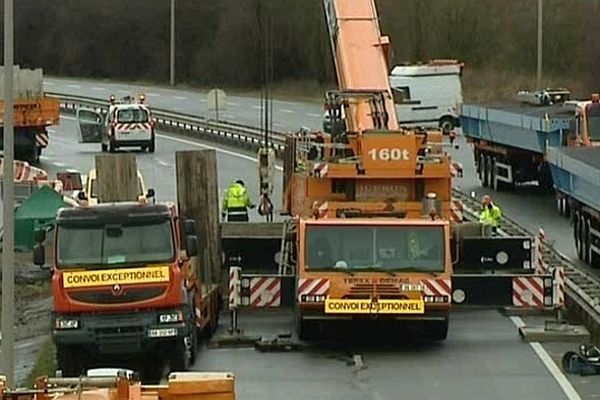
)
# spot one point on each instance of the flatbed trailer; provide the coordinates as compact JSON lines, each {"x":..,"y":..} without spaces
{"x":509,"y":141}
{"x":576,"y":176}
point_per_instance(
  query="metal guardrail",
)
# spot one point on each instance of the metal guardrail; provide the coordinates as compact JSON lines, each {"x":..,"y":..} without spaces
{"x":583,"y":287}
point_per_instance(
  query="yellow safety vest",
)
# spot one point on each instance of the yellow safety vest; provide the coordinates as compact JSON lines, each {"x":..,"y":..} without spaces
{"x":490,"y":216}
{"x":236,"y":197}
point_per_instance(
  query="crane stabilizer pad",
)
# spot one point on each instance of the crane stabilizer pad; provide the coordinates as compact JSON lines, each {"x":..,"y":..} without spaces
{"x":282,"y":343}
{"x":236,"y":339}
{"x":552,"y":332}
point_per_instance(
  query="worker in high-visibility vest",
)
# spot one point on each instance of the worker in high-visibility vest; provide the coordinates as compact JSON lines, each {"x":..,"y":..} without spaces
{"x":236,"y":203}
{"x":490,"y":213}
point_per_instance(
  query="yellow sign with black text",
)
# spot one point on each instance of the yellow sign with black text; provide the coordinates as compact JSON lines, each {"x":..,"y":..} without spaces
{"x":344,"y":306}
{"x":111,"y":277}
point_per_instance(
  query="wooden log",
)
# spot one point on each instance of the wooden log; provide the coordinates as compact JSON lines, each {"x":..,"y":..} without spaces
{"x":116,"y":178}
{"x":198,"y":199}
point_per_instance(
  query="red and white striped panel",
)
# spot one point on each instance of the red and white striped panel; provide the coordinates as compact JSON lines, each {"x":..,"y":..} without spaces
{"x":232,"y":283}
{"x":456,"y":169}
{"x":528,"y":291}
{"x":438,"y":287}
{"x":21,"y":170}
{"x":265,"y":292}
{"x":456,"y":211}
{"x":313,"y":286}
{"x":320,"y":208}
{"x":132,"y":126}
{"x":320,"y":170}
{"x":41,"y":139}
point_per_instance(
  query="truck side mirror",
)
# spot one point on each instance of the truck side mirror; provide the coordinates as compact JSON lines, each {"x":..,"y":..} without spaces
{"x":150,"y":193}
{"x":189,"y":226}
{"x":192,"y":245}
{"x":39,"y":255}
{"x":40,"y":235}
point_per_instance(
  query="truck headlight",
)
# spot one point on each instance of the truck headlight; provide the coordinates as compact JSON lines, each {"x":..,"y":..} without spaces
{"x":412,"y":287}
{"x":169,"y":318}
{"x":66,"y":323}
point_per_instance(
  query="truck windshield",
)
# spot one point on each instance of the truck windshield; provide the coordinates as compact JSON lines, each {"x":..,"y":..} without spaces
{"x":132,"y":115}
{"x":391,"y":248}
{"x":593,"y":117}
{"x":105,"y":245}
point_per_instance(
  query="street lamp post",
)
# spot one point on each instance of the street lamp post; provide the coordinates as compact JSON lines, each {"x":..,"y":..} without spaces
{"x":172,"y":58}
{"x":6,"y":346}
{"x":539,"y":45}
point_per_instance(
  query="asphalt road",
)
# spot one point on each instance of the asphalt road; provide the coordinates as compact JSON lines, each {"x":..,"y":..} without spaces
{"x":483,"y":357}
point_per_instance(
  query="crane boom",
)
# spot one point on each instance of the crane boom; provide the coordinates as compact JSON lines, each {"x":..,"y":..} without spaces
{"x":361,"y":57}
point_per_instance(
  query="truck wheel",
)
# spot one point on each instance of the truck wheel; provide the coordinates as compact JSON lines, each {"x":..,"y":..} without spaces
{"x":104,"y":148}
{"x":151,"y":146}
{"x":577,"y":234}
{"x":181,"y":356}
{"x":486,"y":171}
{"x":587,"y":241}
{"x":439,"y":330}
{"x":306,"y":329}
{"x":69,"y":361}
{"x":111,"y":147}
{"x":446,"y":125}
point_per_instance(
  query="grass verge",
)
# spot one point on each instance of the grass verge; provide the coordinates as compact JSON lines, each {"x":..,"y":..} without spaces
{"x":45,"y":363}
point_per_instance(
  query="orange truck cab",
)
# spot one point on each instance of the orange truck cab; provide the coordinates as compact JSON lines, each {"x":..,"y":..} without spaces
{"x":124,"y":286}
{"x":355,"y":269}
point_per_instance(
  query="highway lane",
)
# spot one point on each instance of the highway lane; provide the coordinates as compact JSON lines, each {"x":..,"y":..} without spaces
{"x":65,"y":153}
{"x":526,"y":205}
{"x":483,"y":358}
{"x":244,"y":110}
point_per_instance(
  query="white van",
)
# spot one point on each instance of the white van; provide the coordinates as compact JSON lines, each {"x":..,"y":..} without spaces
{"x":428,"y":95}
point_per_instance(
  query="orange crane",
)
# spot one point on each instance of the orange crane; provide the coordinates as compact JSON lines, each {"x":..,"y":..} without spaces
{"x":374,"y":232}
{"x":373,"y":201}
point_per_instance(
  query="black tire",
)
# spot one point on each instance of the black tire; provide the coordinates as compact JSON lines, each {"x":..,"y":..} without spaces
{"x":577,"y":234}
{"x":439,"y":330}
{"x":104,"y":148}
{"x":152,"y":146}
{"x":305,"y":329}
{"x":446,"y":125}
{"x":571,"y":362}
{"x":70,"y":361}
{"x":586,"y":241}
{"x":180,"y":357}
{"x":111,"y":147}
{"x":486,"y":172}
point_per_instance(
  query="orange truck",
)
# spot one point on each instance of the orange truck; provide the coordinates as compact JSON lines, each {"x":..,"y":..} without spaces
{"x":33,"y":113}
{"x":374,"y":234}
{"x":123,"y":287}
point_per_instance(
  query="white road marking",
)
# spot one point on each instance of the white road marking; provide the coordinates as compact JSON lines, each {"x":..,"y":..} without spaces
{"x":218,"y":150}
{"x":164,"y":164}
{"x":180,"y":97}
{"x":231,"y":103}
{"x":314,"y":115}
{"x":554,"y":370}
{"x":285,"y":110}
{"x":74,"y":86}
{"x":152,"y":95}
{"x":72,"y":170}
{"x":99,"y":88}
{"x":58,"y":164}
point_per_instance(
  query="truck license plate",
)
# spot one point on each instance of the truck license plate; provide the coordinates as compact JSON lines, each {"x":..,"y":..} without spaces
{"x":162,"y":332}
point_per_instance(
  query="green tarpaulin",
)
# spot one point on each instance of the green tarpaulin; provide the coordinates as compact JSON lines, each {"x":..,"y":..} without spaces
{"x":37,"y":211}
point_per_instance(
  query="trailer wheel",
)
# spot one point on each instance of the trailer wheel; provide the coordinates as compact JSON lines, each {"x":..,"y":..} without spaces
{"x":586,"y":241}
{"x":104,"y":148}
{"x":446,"y":125}
{"x":484,"y":172}
{"x":305,"y":328}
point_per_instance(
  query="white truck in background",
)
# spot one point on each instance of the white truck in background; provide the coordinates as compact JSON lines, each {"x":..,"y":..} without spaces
{"x":428,"y":95}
